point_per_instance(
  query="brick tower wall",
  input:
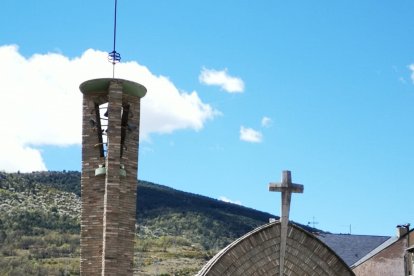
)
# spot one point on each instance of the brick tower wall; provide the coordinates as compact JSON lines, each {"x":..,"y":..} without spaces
{"x":109,"y":201}
{"x":93,"y":190}
{"x":128,"y":189}
{"x":120,"y":197}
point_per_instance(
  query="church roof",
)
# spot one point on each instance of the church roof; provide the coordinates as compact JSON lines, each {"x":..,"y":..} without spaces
{"x":376,"y":250}
{"x":257,"y":253}
{"x":352,"y":248}
{"x":382,"y":247}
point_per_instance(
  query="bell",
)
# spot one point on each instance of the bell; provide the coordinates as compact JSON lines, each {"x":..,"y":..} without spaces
{"x":101,"y":170}
{"x":122,"y":171}
{"x":92,"y":122}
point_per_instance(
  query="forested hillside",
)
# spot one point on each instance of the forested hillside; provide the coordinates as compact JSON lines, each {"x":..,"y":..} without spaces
{"x":40,"y":224}
{"x":209,"y":222}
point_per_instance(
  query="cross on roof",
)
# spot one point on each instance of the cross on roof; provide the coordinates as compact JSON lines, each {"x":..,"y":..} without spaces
{"x":287,"y":188}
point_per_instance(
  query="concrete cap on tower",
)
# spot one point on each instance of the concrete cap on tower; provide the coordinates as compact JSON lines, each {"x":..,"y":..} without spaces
{"x":101,"y":86}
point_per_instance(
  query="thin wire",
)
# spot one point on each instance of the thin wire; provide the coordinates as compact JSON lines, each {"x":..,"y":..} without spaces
{"x":116,"y":2}
{"x":113,"y":62}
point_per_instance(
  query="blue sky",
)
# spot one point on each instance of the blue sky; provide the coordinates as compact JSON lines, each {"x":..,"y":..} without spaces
{"x":237,"y":92}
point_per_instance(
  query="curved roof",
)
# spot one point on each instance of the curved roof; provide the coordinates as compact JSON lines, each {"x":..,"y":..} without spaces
{"x":257,"y":253}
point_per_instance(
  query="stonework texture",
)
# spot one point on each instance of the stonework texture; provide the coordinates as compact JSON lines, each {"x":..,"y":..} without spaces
{"x":109,"y":201}
{"x":257,"y":253}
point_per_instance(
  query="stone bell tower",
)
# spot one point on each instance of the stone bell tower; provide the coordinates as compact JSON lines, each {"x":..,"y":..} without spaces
{"x":110,"y":136}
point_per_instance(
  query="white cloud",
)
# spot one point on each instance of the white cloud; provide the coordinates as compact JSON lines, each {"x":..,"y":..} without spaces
{"x":411,"y":66}
{"x":250,"y":135}
{"x":15,"y":156}
{"x":222,"y":79}
{"x":266,"y":121}
{"x":225,"y":199}
{"x":42,"y":104}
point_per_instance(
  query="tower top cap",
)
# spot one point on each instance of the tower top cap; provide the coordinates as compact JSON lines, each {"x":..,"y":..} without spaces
{"x":101,"y":86}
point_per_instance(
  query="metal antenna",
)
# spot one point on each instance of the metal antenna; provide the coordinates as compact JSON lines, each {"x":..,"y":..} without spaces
{"x":114,"y":57}
{"x":313,"y":222}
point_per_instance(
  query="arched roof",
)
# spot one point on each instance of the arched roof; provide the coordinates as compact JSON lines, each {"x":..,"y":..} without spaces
{"x":257,"y":253}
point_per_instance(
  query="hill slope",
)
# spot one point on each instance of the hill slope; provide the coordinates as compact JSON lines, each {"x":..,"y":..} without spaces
{"x":209,"y":222}
{"x":40,"y":215}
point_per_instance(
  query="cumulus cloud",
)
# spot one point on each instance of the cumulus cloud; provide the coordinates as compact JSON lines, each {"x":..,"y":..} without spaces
{"x":223,"y":79}
{"x":250,"y":135}
{"x":42,"y":104}
{"x":18,"y":157}
{"x":266,"y":121}
{"x":225,"y":199}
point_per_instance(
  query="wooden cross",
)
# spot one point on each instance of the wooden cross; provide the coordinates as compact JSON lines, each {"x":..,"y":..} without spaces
{"x":287,"y":188}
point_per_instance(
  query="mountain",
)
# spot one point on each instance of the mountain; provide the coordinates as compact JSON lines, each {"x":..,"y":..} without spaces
{"x":40,"y":218}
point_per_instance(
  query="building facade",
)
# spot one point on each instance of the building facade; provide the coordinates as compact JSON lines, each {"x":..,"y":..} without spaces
{"x":392,"y":258}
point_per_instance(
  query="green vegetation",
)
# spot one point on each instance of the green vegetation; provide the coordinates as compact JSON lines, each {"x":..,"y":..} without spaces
{"x":39,"y":224}
{"x":177,"y":232}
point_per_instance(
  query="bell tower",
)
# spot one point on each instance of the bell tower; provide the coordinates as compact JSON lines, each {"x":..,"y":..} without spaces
{"x":110,"y":135}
